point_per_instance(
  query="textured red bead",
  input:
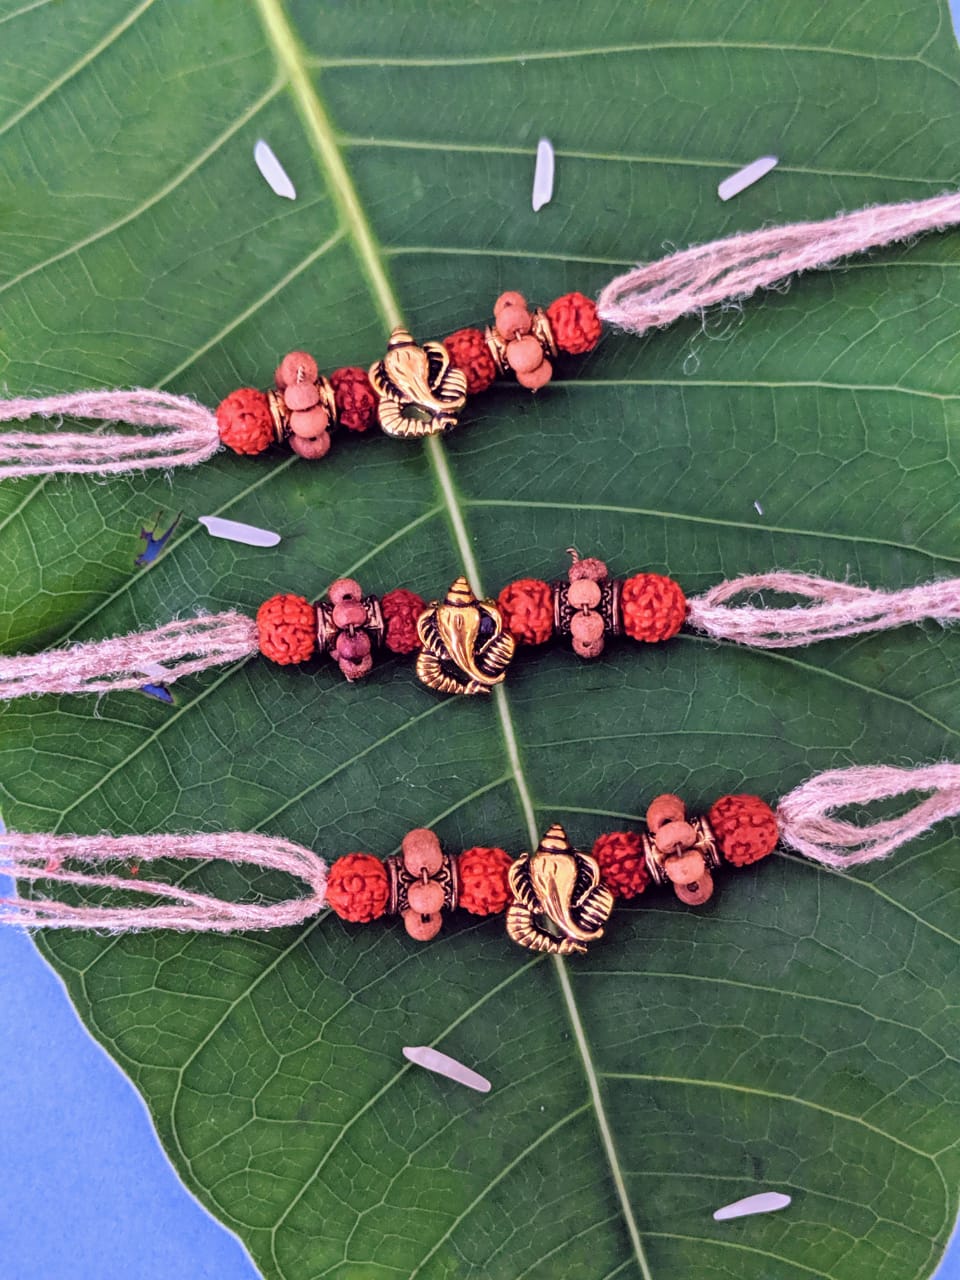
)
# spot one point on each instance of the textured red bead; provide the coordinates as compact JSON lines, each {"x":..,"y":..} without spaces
{"x":354,"y":397}
{"x":287,"y":629}
{"x":401,"y":609}
{"x":622,"y":864}
{"x":358,"y":888}
{"x":245,"y":422}
{"x":484,"y":890}
{"x":575,"y":324}
{"x":527,"y":608}
{"x":652,"y":607}
{"x":745,"y":828}
{"x":469,"y":352}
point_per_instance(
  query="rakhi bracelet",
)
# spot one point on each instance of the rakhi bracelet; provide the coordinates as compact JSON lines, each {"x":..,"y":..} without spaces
{"x":556,"y":899}
{"x":417,"y":391}
{"x":464,"y":645}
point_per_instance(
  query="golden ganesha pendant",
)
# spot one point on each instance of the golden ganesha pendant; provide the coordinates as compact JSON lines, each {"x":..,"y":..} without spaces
{"x":420,"y":393}
{"x":466,"y":646}
{"x":559,"y":903}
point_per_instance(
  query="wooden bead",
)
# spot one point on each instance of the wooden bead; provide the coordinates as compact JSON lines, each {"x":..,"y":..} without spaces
{"x":344,"y":589}
{"x":301,"y":395}
{"x":349,"y":613}
{"x":297,"y":366}
{"x":354,"y":648}
{"x":351,"y":670}
{"x":685,"y":868}
{"x":675,"y":835}
{"x":587,"y":648}
{"x":311,"y":449}
{"x":513,"y":322}
{"x":309,"y":424}
{"x":512,"y":316}
{"x":586,"y":627}
{"x":510,"y":298}
{"x":694,"y":895}
{"x":425,"y":898}
{"x":663,"y":809}
{"x":588,"y":567}
{"x":420,"y":927}
{"x":524,"y":354}
{"x":536,"y":378}
{"x":421,"y":852}
{"x":584,"y":593}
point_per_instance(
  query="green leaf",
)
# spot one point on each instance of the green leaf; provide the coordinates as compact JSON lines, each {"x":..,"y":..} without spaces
{"x":796,"y":1034}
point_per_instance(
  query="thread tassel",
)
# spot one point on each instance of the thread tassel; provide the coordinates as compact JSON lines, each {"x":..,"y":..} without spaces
{"x":131,"y":661}
{"x":186,"y":433}
{"x":655,"y":295}
{"x":47,"y":858}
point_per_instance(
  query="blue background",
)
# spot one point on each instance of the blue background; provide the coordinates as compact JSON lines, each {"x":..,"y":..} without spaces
{"x":87,"y":1192}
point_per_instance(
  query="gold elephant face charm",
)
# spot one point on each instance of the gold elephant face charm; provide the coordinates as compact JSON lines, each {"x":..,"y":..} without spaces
{"x":466,"y":648}
{"x":420,"y":393}
{"x":559,"y":904}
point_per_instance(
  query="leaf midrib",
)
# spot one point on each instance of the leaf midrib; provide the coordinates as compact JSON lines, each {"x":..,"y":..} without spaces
{"x":293,"y":67}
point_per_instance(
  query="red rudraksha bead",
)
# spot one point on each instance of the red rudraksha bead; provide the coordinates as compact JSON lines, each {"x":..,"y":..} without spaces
{"x":245,"y":422}
{"x":483,"y":880}
{"x":527,"y":608}
{"x":652,"y":607}
{"x":358,"y":888}
{"x":575,"y":324}
{"x":469,"y":352}
{"x":401,"y":609}
{"x":622,"y":864}
{"x":355,"y":398}
{"x":745,"y":828}
{"x":287,"y":629}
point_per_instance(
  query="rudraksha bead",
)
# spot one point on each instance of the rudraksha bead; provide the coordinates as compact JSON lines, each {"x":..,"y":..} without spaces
{"x":527,"y":608}
{"x":575,"y":324}
{"x":470,"y":353}
{"x":401,"y":609}
{"x":745,"y":828}
{"x":358,"y":888}
{"x":622,"y":864}
{"x":652,"y":607}
{"x":484,"y":890}
{"x":355,"y":398}
{"x":287,"y":629}
{"x":245,"y":422}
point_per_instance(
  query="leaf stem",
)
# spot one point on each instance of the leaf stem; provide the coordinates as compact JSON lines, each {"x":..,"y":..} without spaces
{"x":294,"y":67}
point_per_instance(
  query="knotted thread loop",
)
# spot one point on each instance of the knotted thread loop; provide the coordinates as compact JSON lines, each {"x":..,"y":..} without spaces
{"x":652,"y":296}
{"x":806,"y":824}
{"x":187,"y":433}
{"x":129,"y":662}
{"x":838,"y":609}
{"x":45,"y":857}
